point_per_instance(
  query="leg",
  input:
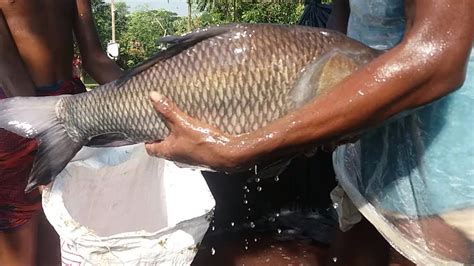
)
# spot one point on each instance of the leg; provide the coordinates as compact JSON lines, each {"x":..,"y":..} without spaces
{"x":18,"y":246}
{"x":361,"y":245}
{"x":49,"y":251}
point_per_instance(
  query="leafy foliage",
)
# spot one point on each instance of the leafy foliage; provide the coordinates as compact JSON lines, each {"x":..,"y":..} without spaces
{"x":144,"y":29}
{"x":138,"y":32}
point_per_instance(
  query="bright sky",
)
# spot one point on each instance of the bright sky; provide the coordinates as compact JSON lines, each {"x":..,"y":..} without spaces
{"x":178,"y":6}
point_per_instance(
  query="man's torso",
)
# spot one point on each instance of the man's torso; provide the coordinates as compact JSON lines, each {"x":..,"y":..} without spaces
{"x":43,"y":33}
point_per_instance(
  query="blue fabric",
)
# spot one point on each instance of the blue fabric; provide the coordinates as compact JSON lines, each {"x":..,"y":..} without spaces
{"x":421,"y":164}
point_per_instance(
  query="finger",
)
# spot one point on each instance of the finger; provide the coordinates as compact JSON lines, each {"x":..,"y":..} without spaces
{"x":158,"y":149}
{"x":164,"y":106}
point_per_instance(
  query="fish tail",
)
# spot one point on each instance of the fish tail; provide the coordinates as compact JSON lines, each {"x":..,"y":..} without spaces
{"x":36,"y":117}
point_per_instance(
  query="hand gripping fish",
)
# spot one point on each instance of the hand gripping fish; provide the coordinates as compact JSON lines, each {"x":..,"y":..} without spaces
{"x":236,"y":77}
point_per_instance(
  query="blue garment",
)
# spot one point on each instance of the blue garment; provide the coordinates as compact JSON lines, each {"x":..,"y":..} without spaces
{"x":420,"y":164}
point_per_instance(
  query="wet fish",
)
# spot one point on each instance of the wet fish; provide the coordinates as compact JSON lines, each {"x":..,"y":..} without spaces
{"x":236,"y":77}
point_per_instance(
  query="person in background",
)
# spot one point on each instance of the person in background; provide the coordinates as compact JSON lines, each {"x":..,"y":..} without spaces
{"x":36,"y":55}
{"x":398,"y":104}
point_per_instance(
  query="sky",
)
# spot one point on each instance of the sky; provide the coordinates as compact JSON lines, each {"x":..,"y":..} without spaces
{"x":178,"y":6}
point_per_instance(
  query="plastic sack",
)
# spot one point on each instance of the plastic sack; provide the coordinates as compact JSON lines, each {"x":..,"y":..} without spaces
{"x":413,"y":178}
{"x":120,"y":206}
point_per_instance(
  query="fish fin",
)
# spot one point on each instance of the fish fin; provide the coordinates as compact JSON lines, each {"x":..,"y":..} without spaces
{"x":110,"y":140}
{"x":272,"y":170}
{"x":35,"y":117}
{"x":178,"y":44}
{"x":322,"y":74}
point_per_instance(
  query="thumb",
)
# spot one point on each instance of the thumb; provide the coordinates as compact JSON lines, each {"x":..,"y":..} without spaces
{"x":165,"y":107}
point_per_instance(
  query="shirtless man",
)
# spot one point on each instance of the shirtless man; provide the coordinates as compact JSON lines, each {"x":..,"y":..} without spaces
{"x":36,"y":56}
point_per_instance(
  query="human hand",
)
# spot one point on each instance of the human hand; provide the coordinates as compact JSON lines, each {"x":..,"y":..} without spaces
{"x":191,"y":141}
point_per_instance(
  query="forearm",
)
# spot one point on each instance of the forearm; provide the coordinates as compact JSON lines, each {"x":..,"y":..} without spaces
{"x":339,"y":16}
{"x":14,"y":77}
{"x":424,"y":67}
{"x":101,"y":68}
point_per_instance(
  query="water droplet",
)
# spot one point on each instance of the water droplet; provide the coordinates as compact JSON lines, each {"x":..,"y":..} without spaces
{"x":213,"y":228}
{"x":257,"y":179}
{"x":244,"y":187}
{"x":335,"y":205}
{"x":271,"y":219}
{"x":279,"y":230}
{"x":255,"y":240}
{"x":245,"y":196}
{"x":246,"y":201}
{"x":232,"y":224}
{"x":249,"y":209}
{"x":256,"y":171}
{"x":252,"y":224}
{"x":248,"y":190}
{"x":259,"y":189}
{"x":246,"y":247}
{"x":334,"y":259}
{"x":277,"y":214}
{"x":213,"y":251}
{"x":277,"y":178}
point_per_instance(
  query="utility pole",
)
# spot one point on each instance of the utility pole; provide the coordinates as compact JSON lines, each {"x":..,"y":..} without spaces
{"x":112,"y":10}
{"x":113,"y":46}
{"x":190,"y":16}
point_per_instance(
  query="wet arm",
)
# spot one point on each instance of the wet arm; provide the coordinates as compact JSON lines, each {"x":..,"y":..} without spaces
{"x":14,"y":77}
{"x":428,"y":64}
{"x":95,"y":61}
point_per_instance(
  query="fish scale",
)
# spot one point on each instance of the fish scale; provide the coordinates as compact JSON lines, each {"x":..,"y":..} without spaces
{"x":236,"y":77}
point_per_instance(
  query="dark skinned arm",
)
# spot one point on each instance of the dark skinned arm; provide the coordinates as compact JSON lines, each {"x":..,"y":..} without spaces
{"x":429,"y":63}
{"x":14,"y":77}
{"x":101,"y":68}
{"x":339,"y":16}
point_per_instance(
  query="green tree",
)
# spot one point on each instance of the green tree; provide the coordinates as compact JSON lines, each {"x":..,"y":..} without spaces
{"x":144,"y":28}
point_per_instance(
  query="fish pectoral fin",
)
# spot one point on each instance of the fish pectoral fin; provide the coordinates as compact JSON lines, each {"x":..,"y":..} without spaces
{"x":272,"y":170}
{"x":110,"y":140}
{"x":322,"y":74}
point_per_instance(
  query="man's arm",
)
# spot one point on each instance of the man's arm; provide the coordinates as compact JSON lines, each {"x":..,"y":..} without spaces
{"x":429,"y":63}
{"x":14,"y":77}
{"x":339,"y":16}
{"x":94,"y":59}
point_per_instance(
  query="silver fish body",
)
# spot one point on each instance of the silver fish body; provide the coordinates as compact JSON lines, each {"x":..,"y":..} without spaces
{"x":236,"y":77}
{"x":237,"y":80}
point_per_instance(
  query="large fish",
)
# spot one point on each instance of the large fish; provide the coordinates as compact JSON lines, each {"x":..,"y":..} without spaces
{"x":236,"y":77}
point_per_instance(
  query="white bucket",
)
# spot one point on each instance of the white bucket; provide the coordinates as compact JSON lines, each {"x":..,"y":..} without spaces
{"x":118,"y":206}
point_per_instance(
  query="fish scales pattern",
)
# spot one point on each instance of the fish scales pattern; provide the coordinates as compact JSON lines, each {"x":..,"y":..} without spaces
{"x":238,"y":81}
